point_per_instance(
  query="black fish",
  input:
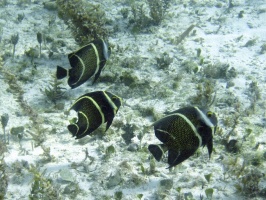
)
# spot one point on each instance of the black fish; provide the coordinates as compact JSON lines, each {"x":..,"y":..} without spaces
{"x":85,"y":62}
{"x":182,"y":132}
{"x":94,"y":109}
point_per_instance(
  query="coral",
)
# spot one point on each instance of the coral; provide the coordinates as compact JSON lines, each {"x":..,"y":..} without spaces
{"x":86,"y":20}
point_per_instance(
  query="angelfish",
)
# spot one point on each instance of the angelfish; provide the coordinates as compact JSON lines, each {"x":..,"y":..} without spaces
{"x":182,"y":132}
{"x":86,"y":62}
{"x":94,"y":109}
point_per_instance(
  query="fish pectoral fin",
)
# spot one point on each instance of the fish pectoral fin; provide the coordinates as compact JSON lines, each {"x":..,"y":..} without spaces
{"x":175,"y":157}
{"x":162,"y":135}
{"x":157,"y":150}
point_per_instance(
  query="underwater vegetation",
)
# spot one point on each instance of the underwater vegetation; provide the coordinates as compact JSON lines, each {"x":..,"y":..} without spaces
{"x":143,"y":16}
{"x":3,"y":172}
{"x":205,"y":94}
{"x":42,"y":188}
{"x":4,"y":121}
{"x":86,"y":20}
{"x":54,"y":92}
{"x":40,"y":39}
{"x":18,"y":92}
{"x":14,"y":40}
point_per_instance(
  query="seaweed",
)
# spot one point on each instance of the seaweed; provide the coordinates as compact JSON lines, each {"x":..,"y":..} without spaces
{"x":54,"y":92}
{"x":142,"y":20}
{"x":263,"y":48}
{"x":39,"y":39}
{"x":128,"y":132}
{"x":4,"y":3}
{"x":209,"y":193}
{"x":4,"y":121}
{"x":205,"y":94}
{"x":16,"y":89}
{"x":20,"y":17}
{"x":139,"y":21}
{"x":164,"y":61}
{"x":32,"y":53}
{"x":254,"y":96}
{"x":251,"y":42}
{"x":42,"y":188}
{"x":86,"y":20}
{"x":157,"y":10}
{"x":3,"y":173}
{"x":14,"y":40}
{"x":118,"y":195}
{"x":249,"y":183}
{"x":219,"y":70}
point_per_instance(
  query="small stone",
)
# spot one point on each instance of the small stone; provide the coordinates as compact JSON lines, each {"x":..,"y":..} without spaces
{"x":66,"y":175}
{"x":133,"y":147}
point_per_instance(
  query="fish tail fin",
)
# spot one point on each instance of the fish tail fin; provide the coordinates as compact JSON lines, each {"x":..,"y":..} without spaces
{"x":157,"y":150}
{"x":60,"y":72}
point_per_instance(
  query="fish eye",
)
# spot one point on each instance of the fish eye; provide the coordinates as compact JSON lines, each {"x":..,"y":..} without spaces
{"x":209,"y":114}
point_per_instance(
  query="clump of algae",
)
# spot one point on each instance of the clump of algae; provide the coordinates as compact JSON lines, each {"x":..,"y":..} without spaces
{"x":86,"y":20}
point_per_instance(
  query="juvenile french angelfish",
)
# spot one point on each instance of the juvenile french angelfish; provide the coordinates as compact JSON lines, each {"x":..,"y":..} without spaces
{"x":94,"y":109}
{"x":86,"y":62}
{"x":182,"y":132}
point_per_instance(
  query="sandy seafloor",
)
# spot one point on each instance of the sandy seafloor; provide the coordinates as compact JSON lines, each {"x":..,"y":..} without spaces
{"x":148,"y":90}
